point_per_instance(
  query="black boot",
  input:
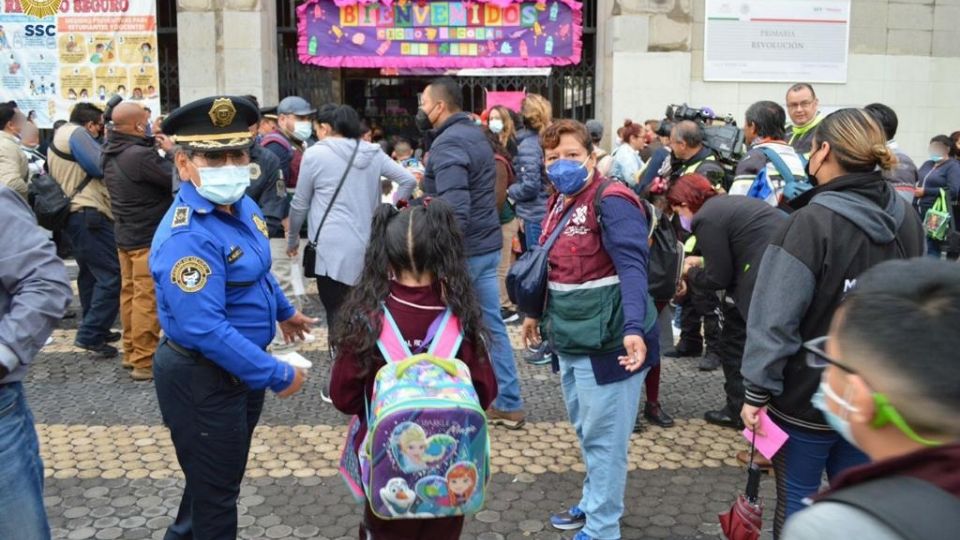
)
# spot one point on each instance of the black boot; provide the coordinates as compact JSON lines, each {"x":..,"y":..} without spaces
{"x":655,"y":414}
{"x":723,"y":418}
{"x":682,"y":351}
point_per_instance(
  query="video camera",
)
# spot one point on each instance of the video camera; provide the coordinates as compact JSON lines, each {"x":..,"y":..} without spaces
{"x":720,"y":134}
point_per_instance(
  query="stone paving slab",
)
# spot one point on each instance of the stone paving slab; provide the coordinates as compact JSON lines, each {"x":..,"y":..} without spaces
{"x":660,"y":504}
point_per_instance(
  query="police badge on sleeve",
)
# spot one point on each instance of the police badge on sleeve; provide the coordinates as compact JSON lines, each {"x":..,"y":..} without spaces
{"x":190,"y":274}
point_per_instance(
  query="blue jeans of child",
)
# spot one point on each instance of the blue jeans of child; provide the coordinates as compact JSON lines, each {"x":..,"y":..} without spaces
{"x":603,"y":417}
{"x":800,"y":465}
{"x":483,"y":271}
{"x":21,"y":469}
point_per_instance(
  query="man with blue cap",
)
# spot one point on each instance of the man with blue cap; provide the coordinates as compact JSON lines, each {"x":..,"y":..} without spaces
{"x":218,"y":305}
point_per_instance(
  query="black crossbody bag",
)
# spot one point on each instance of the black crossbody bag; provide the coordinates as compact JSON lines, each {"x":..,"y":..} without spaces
{"x":310,"y":250}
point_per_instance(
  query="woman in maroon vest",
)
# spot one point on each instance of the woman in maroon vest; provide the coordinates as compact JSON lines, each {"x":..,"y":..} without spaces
{"x":599,"y":319}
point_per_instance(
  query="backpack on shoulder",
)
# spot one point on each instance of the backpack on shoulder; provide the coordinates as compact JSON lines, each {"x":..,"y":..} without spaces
{"x":665,"y":260}
{"x":47,"y":199}
{"x":427,"y":451}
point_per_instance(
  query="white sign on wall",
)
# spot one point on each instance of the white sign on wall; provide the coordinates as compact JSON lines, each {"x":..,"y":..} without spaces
{"x":776,"y":40}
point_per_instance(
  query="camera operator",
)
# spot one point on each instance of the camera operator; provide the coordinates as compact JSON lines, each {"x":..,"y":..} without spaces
{"x":690,"y":155}
{"x":764,"y":130}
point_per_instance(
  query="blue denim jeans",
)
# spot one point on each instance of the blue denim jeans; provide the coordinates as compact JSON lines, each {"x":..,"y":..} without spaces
{"x":531,"y":233}
{"x":98,"y":281}
{"x":800,"y":465}
{"x":933,"y":248}
{"x":483,"y":271}
{"x":603,"y":417}
{"x":21,"y":469}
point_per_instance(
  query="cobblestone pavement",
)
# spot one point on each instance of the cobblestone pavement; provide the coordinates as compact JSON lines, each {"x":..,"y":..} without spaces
{"x":111,"y":471}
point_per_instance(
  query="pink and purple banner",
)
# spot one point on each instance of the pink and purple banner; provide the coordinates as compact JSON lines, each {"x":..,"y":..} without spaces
{"x":439,"y":34}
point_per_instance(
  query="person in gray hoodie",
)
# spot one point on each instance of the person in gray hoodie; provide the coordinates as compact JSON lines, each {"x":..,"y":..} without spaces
{"x":850,"y":221}
{"x":342,"y":242}
{"x":34,"y":293}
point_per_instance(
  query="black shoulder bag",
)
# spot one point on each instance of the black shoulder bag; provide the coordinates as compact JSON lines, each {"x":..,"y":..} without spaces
{"x":527,"y":278}
{"x":310,"y":250}
{"x":47,"y":199}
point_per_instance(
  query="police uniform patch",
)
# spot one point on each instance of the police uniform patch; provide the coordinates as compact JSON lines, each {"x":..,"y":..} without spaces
{"x":261,"y":225}
{"x":235,"y":254}
{"x":181,"y":217}
{"x":255,"y":171}
{"x":190,"y":274}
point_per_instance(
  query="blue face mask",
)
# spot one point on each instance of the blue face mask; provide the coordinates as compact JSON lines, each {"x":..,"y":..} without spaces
{"x":568,"y":175}
{"x":839,"y":424}
{"x":936,"y":157}
{"x":223,"y":185}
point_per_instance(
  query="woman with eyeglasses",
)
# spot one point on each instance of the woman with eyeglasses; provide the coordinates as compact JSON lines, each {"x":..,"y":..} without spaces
{"x":851,"y":220}
{"x":896,"y":400}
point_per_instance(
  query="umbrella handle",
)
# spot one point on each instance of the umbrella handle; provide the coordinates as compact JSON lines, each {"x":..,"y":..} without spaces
{"x":753,"y":448}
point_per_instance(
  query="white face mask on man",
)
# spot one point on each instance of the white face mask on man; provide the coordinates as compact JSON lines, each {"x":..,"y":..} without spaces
{"x":302,"y":129}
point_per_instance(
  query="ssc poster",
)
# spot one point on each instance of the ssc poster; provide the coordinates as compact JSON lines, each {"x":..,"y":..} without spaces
{"x":439,"y":34}
{"x":88,"y":51}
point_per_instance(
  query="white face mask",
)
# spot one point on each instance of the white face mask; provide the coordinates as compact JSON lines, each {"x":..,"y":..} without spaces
{"x":302,"y":129}
{"x":223,"y":185}
{"x":496,"y":125}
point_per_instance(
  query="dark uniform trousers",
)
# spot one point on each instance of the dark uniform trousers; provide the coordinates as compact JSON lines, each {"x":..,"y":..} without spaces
{"x":700,"y":304}
{"x":211,"y":416}
{"x":733,"y":338}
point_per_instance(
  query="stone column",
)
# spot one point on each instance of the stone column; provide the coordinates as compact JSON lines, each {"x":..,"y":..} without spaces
{"x":227,"y":47}
{"x":643,"y":59}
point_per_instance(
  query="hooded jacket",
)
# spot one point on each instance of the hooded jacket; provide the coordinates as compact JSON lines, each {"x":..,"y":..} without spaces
{"x":140,"y":183}
{"x":529,"y":191}
{"x":343,"y":240}
{"x":461,"y":171}
{"x":840,"y":230}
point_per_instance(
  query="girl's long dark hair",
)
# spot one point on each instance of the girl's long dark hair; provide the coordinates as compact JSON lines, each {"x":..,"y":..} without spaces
{"x":416,"y":239}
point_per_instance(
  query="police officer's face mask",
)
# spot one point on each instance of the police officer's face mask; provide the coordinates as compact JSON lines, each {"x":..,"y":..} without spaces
{"x":223,"y":185}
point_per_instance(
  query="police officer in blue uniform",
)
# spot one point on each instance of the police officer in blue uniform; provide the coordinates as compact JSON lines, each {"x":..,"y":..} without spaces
{"x":218,"y":305}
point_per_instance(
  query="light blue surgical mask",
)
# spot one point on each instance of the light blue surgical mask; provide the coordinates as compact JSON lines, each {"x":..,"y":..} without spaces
{"x":302,"y":129}
{"x":936,"y":157}
{"x":496,"y":125}
{"x":839,"y":423}
{"x":223,"y":185}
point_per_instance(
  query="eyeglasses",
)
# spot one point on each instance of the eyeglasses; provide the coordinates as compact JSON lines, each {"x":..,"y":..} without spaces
{"x":885,"y":413}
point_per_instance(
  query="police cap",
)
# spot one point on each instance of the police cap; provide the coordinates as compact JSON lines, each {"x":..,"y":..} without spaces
{"x":269,"y":112}
{"x":213,"y":124}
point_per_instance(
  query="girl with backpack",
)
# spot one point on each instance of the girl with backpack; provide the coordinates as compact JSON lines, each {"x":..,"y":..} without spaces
{"x":415,"y":268}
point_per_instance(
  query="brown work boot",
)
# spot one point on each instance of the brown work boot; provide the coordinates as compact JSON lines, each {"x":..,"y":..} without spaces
{"x":763,"y":463}
{"x":509,"y":420}
{"x":142,"y":374}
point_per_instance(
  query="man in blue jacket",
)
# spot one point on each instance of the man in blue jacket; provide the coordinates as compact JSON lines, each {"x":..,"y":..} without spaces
{"x":461,"y":171}
{"x":35,"y":292}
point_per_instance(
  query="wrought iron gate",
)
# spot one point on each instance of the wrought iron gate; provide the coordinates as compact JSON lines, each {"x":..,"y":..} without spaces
{"x":570,"y":89}
{"x":167,"y":55}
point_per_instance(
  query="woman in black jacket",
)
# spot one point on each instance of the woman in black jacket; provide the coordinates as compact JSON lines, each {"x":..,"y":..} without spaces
{"x":940,"y":172}
{"x":849,"y":222}
{"x":732,"y":233}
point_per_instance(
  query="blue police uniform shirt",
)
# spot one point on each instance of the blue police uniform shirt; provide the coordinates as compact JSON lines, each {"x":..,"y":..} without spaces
{"x":215,"y":292}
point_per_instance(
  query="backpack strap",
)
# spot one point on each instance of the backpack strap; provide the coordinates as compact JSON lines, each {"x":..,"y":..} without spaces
{"x":914,"y":508}
{"x":276,"y":138}
{"x":779,"y":164}
{"x":446,"y":341}
{"x":391,"y":343}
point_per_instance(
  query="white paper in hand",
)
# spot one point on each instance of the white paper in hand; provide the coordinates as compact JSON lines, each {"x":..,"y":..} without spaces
{"x":295,"y":359}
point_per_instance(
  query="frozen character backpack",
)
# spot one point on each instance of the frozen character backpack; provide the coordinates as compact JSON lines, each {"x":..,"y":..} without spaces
{"x":426,"y":453}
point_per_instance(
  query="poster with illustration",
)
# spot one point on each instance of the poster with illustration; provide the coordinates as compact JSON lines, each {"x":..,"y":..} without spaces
{"x":439,"y":34}
{"x":85,"y":52}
